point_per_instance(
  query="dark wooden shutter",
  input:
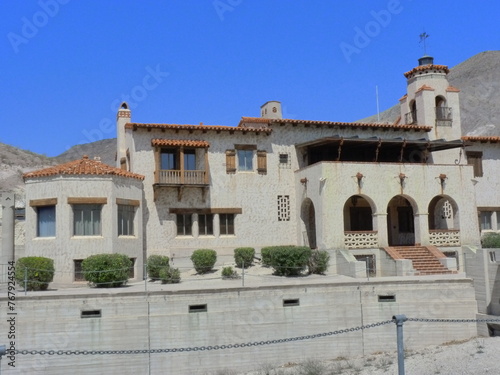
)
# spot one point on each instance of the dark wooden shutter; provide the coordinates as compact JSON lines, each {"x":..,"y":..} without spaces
{"x":262,"y":162}
{"x":230,"y":161}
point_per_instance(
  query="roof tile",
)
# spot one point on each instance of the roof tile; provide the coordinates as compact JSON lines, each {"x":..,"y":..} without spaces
{"x":83,"y":166}
{"x":179,"y":142}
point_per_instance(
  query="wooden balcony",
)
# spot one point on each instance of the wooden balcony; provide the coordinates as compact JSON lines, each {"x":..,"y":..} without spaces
{"x":180,"y":177}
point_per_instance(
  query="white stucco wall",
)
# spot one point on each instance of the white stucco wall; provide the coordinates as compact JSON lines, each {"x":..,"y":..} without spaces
{"x":64,"y":248}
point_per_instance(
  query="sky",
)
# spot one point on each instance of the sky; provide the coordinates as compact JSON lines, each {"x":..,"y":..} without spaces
{"x":66,"y":65}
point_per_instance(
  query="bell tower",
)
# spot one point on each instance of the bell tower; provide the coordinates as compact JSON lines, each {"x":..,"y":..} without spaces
{"x":430,"y":100}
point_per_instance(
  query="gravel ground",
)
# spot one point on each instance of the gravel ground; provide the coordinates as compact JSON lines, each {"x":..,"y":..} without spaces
{"x":478,"y":356}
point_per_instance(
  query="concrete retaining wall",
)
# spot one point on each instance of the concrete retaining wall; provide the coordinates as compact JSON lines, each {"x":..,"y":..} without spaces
{"x":239,"y":315}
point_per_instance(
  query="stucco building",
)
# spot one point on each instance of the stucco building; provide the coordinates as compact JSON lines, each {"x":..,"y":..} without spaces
{"x":365,"y":191}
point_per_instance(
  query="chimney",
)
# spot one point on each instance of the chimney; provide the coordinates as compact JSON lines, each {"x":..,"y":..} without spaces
{"x":271,"y":109}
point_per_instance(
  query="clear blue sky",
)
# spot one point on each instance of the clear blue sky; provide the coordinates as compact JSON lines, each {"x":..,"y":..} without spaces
{"x":66,"y":64}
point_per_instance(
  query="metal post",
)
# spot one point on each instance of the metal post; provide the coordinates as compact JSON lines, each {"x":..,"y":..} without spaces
{"x":25,"y":280}
{"x":145,"y":276}
{"x":400,"y":319}
{"x":243,"y":275}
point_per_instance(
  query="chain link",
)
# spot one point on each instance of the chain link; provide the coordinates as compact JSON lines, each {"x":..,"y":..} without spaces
{"x":202,"y":348}
{"x":429,"y":320}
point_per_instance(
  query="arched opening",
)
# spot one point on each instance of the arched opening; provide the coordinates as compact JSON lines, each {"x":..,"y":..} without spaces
{"x":124,"y":105}
{"x":308,"y":216}
{"x":358,"y":214}
{"x":411,"y":117}
{"x":400,"y":222}
{"x":443,"y":214}
{"x":443,"y":112}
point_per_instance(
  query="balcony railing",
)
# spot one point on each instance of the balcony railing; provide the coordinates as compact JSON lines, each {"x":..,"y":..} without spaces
{"x":444,"y":116}
{"x":360,"y":239}
{"x":181,"y":177}
{"x":411,"y":118}
{"x":444,"y":237}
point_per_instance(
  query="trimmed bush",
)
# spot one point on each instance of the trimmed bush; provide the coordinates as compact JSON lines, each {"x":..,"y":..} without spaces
{"x":169,"y":275}
{"x":319,"y":262}
{"x":40,"y":272}
{"x":204,"y":260}
{"x":229,"y":273}
{"x":491,"y":241}
{"x":244,"y":256}
{"x":155,"y":264}
{"x":288,"y":260}
{"x":106,"y":270}
{"x":265,"y":253}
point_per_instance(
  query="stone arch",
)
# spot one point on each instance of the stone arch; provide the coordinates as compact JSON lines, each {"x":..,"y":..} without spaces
{"x":401,"y":211}
{"x":358,"y":213}
{"x":308,"y":217}
{"x":443,"y":213}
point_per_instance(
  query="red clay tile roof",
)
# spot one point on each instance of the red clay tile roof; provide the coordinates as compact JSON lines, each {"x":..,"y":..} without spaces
{"x":483,"y":139}
{"x":179,"y":142}
{"x":425,"y":88}
{"x":393,"y":126}
{"x":203,"y":128}
{"x":83,"y":166}
{"x":403,"y":97}
{"x":423,"y":68}
{"x":452,"y":89}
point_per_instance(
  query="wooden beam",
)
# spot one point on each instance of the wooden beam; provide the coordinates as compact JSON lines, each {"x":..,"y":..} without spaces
{"x":43,"y":202}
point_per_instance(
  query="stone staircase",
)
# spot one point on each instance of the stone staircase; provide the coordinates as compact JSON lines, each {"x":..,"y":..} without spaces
{"x":425,"y":259}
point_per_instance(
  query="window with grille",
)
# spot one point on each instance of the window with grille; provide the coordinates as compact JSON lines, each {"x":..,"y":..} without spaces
{"x":284,"y":160}
{"x":447,"y":210}
{"x":283,"y":208}
{"x":205,"y":224}
{"x":78,"y":270}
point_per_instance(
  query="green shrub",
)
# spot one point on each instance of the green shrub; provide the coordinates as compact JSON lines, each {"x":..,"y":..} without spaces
{"x":229,"y":273}
{"x":265,"y":253}
{"x":318,"y":262}
{"x":288,"y":260}
{"x":155,"y":264}
{"x":244,"y":256}
{"x":169,"y":275}
{"x":204,"y":260}
{"x":106,"y":270}
{"x":491,"y":241}
{"x":40,"y":272}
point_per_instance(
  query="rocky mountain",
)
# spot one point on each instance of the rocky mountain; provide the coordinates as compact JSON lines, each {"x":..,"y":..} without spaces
{"x":478,"y":78}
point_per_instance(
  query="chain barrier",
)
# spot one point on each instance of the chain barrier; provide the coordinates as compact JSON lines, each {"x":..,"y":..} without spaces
{"x":429,"y":320}
{"x":202,"y":348}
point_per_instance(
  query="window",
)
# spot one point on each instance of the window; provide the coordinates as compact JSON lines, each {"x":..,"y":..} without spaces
{"x":245,"y":160}
{"x":126,"y":216}
{"x":190,"y":160}
{"x":205,"y":224}
{"x":226,"y":222}
{"x":46,"y":221}
{"x":184,"y":225}
{"x":131,"y":271}
{"x":169,"y":159}
{"x":284,"y":161}
{"x":283,"y":208}
{"x":87,"y":219}
{"x":475,"y":158}
{"x":78,"y":270}
{"x":485,"y":220}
